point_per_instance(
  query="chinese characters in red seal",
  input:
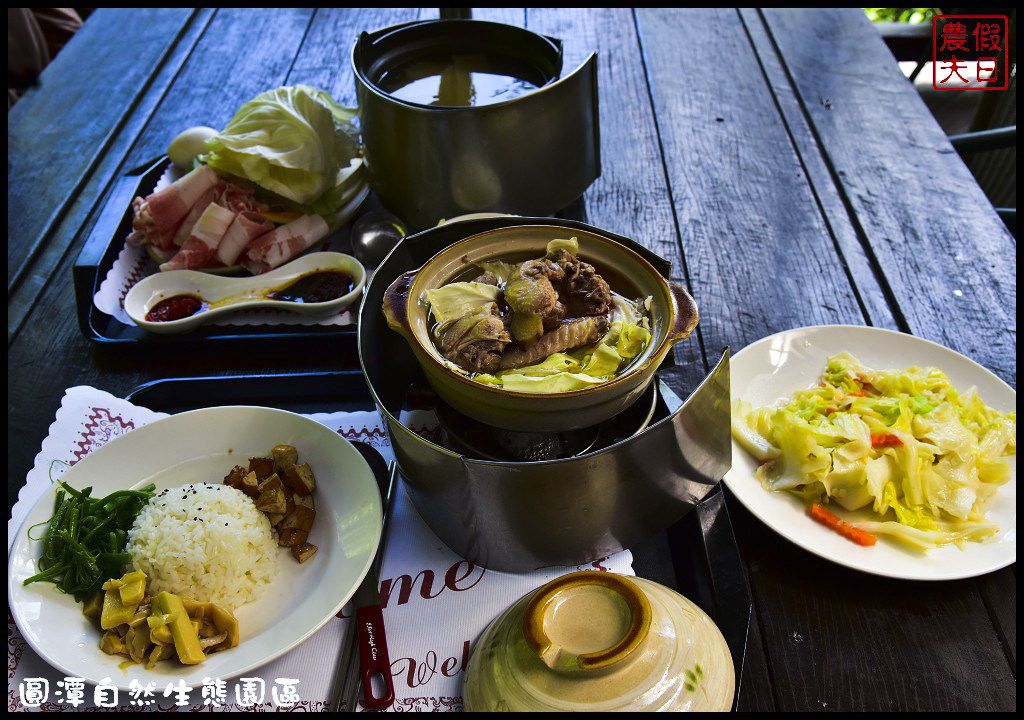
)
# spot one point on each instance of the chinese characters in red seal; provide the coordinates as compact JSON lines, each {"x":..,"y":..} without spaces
{"x":969,"y":52}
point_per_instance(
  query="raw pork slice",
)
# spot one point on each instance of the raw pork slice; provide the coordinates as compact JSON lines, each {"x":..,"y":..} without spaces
{"x":201,"y":246}
{"x":185,"y":228}
{"x":246,"y":227}
{"x":158,"y":216}
{"x":238,"y":198}
{"x":268,"y":251}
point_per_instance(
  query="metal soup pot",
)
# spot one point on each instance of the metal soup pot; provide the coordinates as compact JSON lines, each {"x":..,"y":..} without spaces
{"x":673,"y":316}
{"x":532,"y":154}
{"x":520,"y":516}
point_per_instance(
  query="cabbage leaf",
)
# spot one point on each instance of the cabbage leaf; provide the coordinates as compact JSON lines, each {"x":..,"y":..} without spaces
{"x":579,"y":368}
{"x":454,"y":300}
{"x":296,"y":142}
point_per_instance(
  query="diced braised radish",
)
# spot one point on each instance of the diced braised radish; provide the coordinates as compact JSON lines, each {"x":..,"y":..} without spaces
{"x":301,"y":518}
{"x":300,"y":479}
{"x":290,"y":537}
{"x":284,"y":456}
{"x":262,"y":466}
{"x":272,"y":498}
{"x":234,"y":478}
{"x":250,"y":485}
{"x":283,"y":490}
{"x":304,"y":551}
{"x":273,"y":482}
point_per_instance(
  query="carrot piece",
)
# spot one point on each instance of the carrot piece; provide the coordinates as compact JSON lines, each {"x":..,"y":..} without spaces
{"x":885,"y":440}
{"x":848,"y":531}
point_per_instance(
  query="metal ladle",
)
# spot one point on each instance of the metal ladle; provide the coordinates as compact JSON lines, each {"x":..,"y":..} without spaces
{"x":374,"y":235}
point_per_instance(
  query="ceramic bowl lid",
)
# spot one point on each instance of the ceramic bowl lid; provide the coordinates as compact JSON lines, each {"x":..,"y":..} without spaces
{"x":599,"y":642}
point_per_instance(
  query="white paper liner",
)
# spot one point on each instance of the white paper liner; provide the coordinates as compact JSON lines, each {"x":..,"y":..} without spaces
{"x":436,"y":602}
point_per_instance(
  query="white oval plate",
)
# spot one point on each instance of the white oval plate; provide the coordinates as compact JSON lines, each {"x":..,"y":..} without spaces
{"x":230,"y":294}
{"x":202,"y":446}
{"x":772,"y":369}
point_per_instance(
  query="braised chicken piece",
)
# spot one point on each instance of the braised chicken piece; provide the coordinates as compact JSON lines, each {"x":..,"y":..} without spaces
{"x":570,"y":334}
{"x":514,"y":315}
{"x":475,"y":342}
{"x":583,"y":291}
{"x":531,"y":288}
{"x":487,"y":278}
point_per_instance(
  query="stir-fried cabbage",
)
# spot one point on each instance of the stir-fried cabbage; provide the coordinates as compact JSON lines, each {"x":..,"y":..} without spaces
{"x":904,"y":443}
{"x":296,"y":142}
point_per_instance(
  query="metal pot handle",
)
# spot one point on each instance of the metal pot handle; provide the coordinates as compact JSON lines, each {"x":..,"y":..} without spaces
{"x":456,"y":13}
{"x":685,"y":313}
{"x":396,"y":301}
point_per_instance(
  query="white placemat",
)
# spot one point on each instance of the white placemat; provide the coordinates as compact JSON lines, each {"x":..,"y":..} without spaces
{"x":435,"y":602}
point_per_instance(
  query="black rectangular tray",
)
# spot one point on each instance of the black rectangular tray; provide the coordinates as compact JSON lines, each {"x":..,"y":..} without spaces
{"x":101,"y":250}
{"x":697,"y":556}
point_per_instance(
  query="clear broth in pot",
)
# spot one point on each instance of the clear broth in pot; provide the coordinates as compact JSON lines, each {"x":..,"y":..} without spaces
{"x":458,"y":81}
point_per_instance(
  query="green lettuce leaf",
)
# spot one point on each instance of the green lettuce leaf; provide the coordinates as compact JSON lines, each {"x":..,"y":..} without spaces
{"x":556,"y":383}
{"x":296,"y":142}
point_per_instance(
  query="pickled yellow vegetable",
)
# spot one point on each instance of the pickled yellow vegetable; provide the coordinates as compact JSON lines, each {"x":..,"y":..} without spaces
{"x":133,"y":587}
{"x":186,"y":637}
{"x":115,"y":612}
{"x":226,"y":623}
{"x":93,"y":606}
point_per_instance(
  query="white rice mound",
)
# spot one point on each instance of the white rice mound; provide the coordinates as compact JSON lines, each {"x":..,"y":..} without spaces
{"x":205,"y":542}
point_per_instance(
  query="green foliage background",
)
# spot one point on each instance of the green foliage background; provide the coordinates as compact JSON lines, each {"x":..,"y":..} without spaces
{"x":907,"y":15}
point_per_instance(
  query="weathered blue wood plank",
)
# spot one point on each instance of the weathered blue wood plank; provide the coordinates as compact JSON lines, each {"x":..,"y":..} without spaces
{"x":73,"y":219}
{"x":243,"y":52}
{"x":947,"y":261}
{"x":759,"y":253}
{"x":58,"y":132}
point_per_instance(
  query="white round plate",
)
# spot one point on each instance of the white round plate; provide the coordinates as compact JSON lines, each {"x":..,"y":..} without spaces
{"x":770,"y":370}
{"x":202,"y":446}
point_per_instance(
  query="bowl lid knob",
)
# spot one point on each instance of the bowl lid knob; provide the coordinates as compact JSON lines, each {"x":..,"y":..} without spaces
{"x":586,"y":622}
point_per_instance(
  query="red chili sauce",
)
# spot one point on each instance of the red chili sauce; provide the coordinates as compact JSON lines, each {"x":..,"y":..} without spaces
{"x":315,"y":287}
{"x":175,"y":307}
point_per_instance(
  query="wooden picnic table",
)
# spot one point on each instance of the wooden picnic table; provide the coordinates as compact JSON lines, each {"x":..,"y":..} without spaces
{"x":778,"y":159}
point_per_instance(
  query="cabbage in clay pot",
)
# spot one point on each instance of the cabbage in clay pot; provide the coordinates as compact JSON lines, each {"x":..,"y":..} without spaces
{"x":547,"y":325}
